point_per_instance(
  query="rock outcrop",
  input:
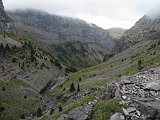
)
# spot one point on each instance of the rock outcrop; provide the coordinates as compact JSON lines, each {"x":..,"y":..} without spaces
{"x":80,"y":113}
{"x":147,"y":27}
{"x":140,"y":93}
{"x":6,"y":24}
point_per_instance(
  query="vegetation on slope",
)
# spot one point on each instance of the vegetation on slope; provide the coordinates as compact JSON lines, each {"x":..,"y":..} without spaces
{"x":73,"y":42}
{"x":142,"y":56}
{"x":20,"y":63}
{"x":104,"y":109}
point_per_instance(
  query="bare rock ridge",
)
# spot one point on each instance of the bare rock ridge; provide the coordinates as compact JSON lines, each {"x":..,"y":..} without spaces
{"x":64,"y":28}
{"x":6,"y":24}
{"x":146,"y":28}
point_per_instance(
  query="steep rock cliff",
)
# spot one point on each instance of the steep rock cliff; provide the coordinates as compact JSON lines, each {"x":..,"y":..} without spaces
{"x":6,"y":24}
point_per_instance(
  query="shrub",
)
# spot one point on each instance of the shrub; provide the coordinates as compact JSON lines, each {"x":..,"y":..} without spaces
{"x":78,"y":88}
{"x":22,"y":116}
{"x":80,"y":79}
{"x":70,"y":69}
{"x":25,"y":97}
{"x":42,"y":65}
{"x":52,"y":111}
{"x":1,"y":48}
{"x":14,"y":60}
{"x":139,"y":65}
{"x":3,"y":88}
{"x":72,"y":88}
{"x":60,"y":108}
{"x":94,"y":75}
{"x":2,"y":109}
{"x":39,"y":112}
{"x":7,"y":47}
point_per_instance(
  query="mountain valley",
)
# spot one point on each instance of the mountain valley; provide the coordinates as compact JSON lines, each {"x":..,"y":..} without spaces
{"x":59,"y":68}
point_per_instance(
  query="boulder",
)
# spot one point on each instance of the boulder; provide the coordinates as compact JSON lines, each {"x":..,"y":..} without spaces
{"x":117,"y":116}
{"x":81,"y":113}
{"x":152,"y":86}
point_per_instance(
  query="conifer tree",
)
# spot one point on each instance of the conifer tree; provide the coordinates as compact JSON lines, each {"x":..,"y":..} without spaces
{"x":72,"y":88}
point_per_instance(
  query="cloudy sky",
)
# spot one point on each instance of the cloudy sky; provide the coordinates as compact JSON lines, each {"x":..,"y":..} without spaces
{"x":104,"y":13}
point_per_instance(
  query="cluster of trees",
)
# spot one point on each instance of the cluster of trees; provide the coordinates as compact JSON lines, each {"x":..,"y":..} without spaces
{"x":70,"y":70}
{"x":6,"y":48}
{"x":72,"y":88}
{"x":57,"y":63}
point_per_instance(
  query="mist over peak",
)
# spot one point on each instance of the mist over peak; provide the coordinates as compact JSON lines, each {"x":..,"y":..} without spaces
{"x":155,"y":12}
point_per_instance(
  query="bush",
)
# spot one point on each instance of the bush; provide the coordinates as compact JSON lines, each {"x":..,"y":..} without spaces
{"x":78,"y":88}
{"x":25,"y":97}
{"x":52,"y":111}
{"x":42,"y":65}
{"x":7,"y":47}
{"x":3,"y":88}
{"x":72,"y":88}
{"x":80,"y":79}
{"x":39,"y":112}
{"x":1,"y":48}
{"x":60,"y":108}
{"x":14,"y":60}
{"x":140,"y":65}
{"x":2,"y":109}
{"x":70,"y":69}
{"x":22,"y":116}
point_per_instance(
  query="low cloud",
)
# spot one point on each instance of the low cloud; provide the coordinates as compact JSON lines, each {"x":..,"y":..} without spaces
{"x":105,"y":13}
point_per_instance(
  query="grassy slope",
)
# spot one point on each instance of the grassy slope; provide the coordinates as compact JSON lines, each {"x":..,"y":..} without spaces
{"x":125,"y":63}
{"x":13,"y":101}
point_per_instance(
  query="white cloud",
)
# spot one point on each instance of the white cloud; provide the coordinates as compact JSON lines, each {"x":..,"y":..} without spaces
{"x":105,"y":13}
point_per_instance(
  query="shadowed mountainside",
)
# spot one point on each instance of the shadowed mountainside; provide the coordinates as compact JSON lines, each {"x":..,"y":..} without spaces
{"x":74,"y":42}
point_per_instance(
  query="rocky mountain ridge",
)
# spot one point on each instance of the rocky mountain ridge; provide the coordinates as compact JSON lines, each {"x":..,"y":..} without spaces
{"x":6,"y":24}
{"x":146,"y":28}
{"x":64,"y":28}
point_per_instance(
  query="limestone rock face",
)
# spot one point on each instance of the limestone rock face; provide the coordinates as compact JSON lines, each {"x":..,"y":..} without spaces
{"x":6,"y":24}
{"x":146,"y":28}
